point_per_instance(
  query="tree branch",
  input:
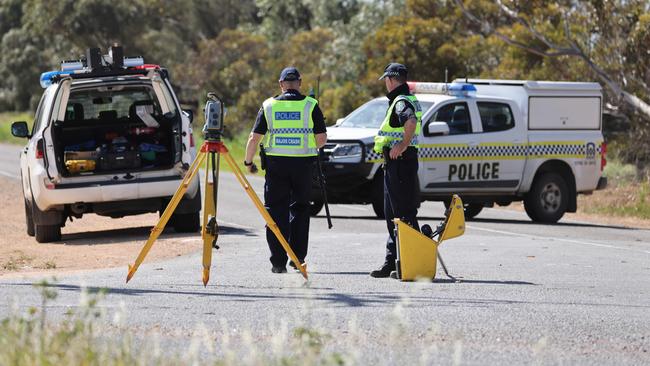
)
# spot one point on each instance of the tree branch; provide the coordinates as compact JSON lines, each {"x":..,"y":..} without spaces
{"x":555,"y":50}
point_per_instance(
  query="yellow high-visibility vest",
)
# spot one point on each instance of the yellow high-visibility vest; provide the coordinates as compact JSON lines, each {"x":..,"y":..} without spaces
{"x":389,"y":136}
{"x":290,"y":127}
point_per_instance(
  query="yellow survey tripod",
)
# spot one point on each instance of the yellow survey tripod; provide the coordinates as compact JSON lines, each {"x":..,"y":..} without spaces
{"x":210,"y":152}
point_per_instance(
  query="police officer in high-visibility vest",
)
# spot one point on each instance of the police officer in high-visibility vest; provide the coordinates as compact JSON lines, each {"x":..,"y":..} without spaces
{"x":292,"y":128}
{"x":397,"y":140}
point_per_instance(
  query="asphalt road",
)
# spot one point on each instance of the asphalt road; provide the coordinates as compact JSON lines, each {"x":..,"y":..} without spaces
{"x":571,"y":293}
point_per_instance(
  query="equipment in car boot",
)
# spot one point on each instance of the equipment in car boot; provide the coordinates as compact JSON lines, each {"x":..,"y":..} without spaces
{"x":79,"y":166}
{"x":120,"y":160}
{"x":417,"y":252}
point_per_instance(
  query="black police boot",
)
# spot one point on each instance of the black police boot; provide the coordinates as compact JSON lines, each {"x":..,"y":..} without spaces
{"x":293,"y":265}
{"x":384,"y":271}
{"x":279,"y":269}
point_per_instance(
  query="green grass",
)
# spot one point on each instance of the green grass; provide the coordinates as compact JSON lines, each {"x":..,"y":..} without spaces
{"x":6,"y":118}
{"x":236,"y":147}
{"x":87,"y":336}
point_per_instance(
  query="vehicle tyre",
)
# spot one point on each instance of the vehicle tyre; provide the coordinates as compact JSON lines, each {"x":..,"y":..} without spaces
{"x":186,"y":223}
{"x":470,"y":209}
{"x":315,"y":207}
{"x":45,"y":233}
{"x":378,"y":196}
{"x":29,"y":219}
{"x":548,"y":199}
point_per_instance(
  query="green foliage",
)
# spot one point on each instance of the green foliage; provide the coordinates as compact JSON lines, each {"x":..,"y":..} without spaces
{"x":237,"y":48}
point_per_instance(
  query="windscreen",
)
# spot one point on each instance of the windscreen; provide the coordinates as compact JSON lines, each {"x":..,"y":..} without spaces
{"x":371,"y":114}
{"x":117,"y":101}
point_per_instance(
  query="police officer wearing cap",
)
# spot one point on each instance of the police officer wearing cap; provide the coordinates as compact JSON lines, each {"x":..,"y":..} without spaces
{"x":397,"y":141}
{"x":293,"y":129}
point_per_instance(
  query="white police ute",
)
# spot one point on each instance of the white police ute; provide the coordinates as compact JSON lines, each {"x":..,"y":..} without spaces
{"x":109,"y":137}
{"x":490,"y":141}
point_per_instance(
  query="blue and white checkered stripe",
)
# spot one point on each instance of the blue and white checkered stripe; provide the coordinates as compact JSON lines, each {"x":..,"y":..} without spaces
{"x":291,"y":130}
{"x":505,"y":151}
{"x":497,"y":151}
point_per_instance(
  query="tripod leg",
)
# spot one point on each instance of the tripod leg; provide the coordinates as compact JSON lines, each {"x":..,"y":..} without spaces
{"x":265,"y":214}
{"x":160,"y":226}
{"x":208,"y":210}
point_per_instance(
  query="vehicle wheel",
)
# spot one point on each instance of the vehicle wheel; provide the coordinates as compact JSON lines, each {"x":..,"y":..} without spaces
{"x":315,"y":207}
{"x":470,"y":209}
{"x":47,"y":233}
{"x":547,"y":200}
{"x":29,"y":219}
{"x":186,"y":223}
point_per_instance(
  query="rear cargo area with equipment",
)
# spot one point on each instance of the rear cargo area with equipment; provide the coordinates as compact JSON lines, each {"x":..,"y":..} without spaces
{"x":114,"y":128}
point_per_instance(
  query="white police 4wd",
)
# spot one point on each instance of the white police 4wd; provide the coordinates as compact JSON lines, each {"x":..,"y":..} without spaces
{"x":490,"y":141}
{"x":109,"y":138}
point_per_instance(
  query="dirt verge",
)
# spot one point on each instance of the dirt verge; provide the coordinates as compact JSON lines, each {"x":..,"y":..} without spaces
{"x":92,"y":242}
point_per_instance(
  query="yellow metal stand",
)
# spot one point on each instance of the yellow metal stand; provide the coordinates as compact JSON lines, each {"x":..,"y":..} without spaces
{"x":417,"y":254}
{"x":209,"y":231}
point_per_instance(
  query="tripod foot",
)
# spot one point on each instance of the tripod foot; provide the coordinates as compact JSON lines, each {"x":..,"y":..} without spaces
{"x":130,"y":274}
{"x":206,"y":277}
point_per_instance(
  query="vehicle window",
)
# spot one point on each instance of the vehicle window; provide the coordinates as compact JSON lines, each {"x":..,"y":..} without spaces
{"x":495,"y":116}
{"x":38,"y":116}
{"x":114,"y":102}
{"x":372,"y":114}
{"x":456,"y":115}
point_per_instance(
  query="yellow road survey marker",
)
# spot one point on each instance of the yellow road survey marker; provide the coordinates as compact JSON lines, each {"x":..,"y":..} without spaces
{"x":417,"y":252}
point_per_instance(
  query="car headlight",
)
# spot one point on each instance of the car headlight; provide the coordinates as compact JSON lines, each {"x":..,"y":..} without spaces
{"x":346,"y":151}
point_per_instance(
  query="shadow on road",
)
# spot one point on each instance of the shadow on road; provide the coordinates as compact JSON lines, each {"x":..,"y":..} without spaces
{"x":367,"y":299}
{"x":114,"y":236}
{"x":527,"y":222}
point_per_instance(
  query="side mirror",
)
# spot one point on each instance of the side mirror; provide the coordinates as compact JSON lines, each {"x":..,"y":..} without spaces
{"x":20,"y":129}
{"x":339,"y":121}
{"x":437,"y":129}
{"x":214,"y":111}
{"x":189,"y":114}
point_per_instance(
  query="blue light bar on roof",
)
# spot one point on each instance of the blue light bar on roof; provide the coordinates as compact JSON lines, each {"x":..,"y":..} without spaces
{"x":461,"y":89}
{"x":46,"y":77}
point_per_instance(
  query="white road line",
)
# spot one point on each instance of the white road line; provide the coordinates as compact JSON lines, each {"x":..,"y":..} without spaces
{"x":352,"y":207}
{"x":14,"y":176}
{"x":235,"y":225}
{"x":558,"y":239}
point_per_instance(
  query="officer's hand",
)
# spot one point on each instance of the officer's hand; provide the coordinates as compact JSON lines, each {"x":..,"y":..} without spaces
{"x":397,"y":150}
{"x":252,"y":168}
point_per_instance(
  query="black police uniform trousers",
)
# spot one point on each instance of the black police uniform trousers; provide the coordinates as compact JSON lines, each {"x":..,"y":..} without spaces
{"x":401,"y":197}
{"x":286,"y":197}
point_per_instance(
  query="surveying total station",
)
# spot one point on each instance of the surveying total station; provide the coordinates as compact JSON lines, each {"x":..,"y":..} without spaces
{"x":210,"y":152}
{"x":417,"y":252}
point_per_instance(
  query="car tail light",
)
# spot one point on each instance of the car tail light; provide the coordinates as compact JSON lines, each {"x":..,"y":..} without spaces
{"x":603,"y":155}
{"x":191,"y":139}
{"x":39,"y":149}
{"x":48,"y":184}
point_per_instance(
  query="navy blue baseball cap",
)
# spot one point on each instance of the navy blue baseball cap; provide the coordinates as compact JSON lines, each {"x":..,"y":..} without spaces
{"x":289,"y":74}
{"x":394,"y":69}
